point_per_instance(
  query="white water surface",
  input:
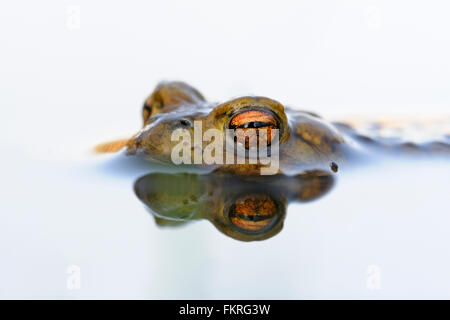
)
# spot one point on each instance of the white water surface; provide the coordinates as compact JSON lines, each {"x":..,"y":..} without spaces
{"x":382,"y":232}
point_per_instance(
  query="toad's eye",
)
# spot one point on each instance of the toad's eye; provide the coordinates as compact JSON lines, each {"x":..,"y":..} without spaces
{"x":251,"y":122}
{"x":253,"y":212}
{"x":253,"y":119}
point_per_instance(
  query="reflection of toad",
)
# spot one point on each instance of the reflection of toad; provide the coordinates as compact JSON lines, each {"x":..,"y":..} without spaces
{"x":244,"y":208}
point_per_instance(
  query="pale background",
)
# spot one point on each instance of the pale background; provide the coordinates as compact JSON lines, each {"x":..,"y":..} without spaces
{"x":73,"y":73}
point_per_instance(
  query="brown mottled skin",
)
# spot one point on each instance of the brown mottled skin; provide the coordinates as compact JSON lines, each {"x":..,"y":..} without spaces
{"x":307,"y":142}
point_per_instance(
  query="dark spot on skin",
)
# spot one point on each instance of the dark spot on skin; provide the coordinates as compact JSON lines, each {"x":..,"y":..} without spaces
{"x":334,"y":167}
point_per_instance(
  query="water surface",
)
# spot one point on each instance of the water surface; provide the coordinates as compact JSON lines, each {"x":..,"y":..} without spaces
{"x":392,"y":215}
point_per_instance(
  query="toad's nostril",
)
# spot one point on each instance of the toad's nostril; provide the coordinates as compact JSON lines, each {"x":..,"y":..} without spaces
{"x":185,"y":123}
{"x":146,"y":112}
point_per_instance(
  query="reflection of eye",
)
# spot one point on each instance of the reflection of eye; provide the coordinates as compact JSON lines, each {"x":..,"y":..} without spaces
{"x":250,"y":120}
{"x":253,"y":212}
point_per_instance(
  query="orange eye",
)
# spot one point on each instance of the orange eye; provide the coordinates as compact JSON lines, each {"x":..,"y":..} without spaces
{"x":251,"y":122}
{"x":253,"y":212}
{"x":253,"y":119}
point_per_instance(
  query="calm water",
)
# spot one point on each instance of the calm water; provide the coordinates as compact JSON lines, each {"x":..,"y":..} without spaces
{"x":380,"y":232}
